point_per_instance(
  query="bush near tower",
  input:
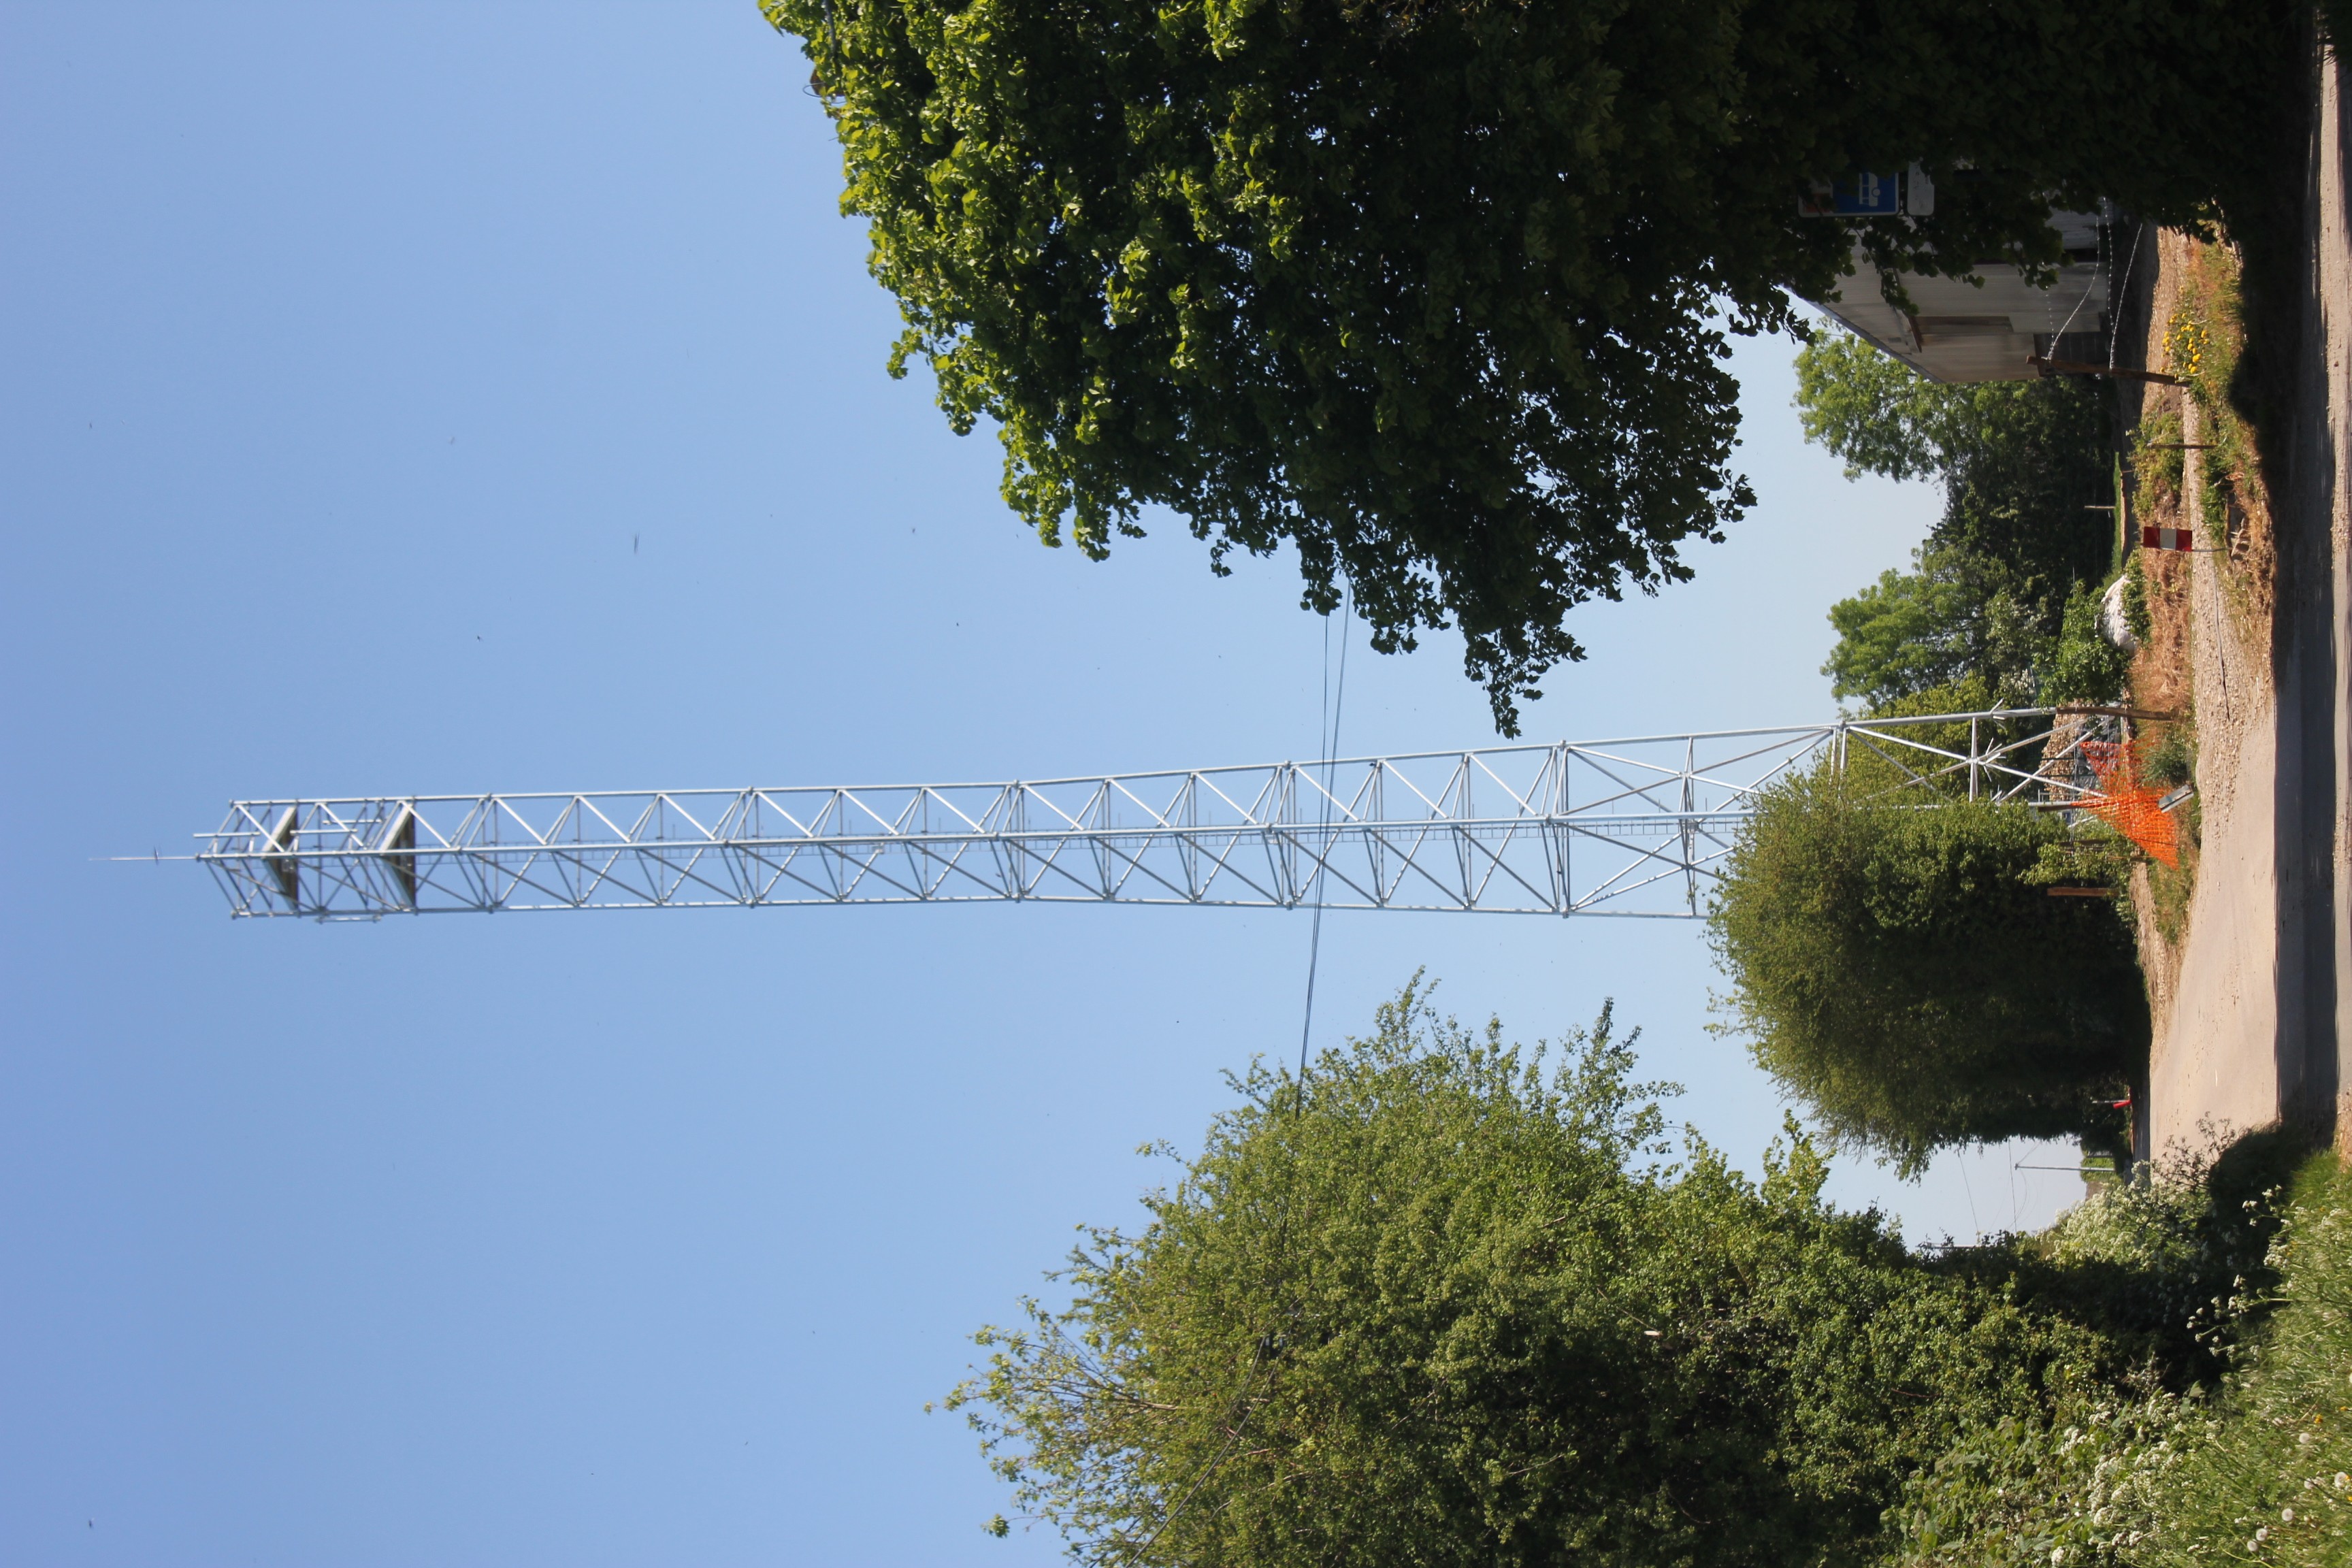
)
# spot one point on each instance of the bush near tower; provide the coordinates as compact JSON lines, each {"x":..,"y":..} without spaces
{"x":1903,"y":973}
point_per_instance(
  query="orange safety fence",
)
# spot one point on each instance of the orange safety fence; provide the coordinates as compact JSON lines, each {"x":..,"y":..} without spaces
{"x":2127,"y":802}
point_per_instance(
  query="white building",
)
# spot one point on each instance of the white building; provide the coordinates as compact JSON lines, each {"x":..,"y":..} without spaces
{"x":1993,"y":330}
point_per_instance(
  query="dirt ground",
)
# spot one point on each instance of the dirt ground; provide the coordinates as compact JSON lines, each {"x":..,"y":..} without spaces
{"x":2213,"y":995}
{"x":2251,"y":995}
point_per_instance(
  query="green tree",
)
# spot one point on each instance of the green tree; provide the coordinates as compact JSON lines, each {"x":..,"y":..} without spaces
{"x":2023,"y":462}
{"x":1439,"y":293}
{"x":1954,"y":616}
{"x":2024,"y":466}
{"x":2021,"y":493}
{"x":1881,"y":415}
{"x":1898,"y":971}
{"x":1448,"y":1307}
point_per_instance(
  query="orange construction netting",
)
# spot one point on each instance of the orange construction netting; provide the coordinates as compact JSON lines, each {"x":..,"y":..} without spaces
{"x":2127,"y":802}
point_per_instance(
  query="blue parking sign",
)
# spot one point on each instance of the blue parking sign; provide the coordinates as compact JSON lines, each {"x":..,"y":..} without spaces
{"x":1854,"y":195}
{"x":1868,"y":196}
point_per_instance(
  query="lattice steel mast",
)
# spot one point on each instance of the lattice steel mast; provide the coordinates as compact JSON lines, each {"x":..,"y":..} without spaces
{"x":1625,"y":827}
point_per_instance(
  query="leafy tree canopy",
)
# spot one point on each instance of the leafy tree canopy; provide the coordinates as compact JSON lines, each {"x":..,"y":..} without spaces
{"x":1903,"y":973}
{"x":1881,"y":415}
{"x":1953,"y":616}
{"x":1438,"y":293}
{"x":1452,"y":1306}
{"x":2021,"y":461}
{"x":2021,"y":492}
{"x":2023,"y":464}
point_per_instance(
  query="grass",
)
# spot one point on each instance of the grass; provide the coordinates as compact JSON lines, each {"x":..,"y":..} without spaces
{"x":2157,"y":459}
{"x":2264,"y":1471}
{"x":2172,"y":760}
{"x":2170,"y":889}
{"x":2203,"y":344}
{"x":2232,"y":1447}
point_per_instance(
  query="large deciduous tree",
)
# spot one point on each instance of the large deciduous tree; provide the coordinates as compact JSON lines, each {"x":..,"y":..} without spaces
{"x":1438,"y":291}
{"x":1998,"y":592}
{"x":1452,"y":1309}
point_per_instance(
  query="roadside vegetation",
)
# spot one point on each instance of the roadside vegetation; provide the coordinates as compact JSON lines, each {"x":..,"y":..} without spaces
{"x":1905,"y":975}
{"x":2205,"y":345}
{"x":2171,"y":763}
{"x":2241,"y":1453}
{"x":2196,"y":461}
{"x":1455,"y":1302}
{"x":2007,"y":588}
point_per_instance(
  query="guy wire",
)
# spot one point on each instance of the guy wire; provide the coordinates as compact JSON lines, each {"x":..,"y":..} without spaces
{"x":1237,"y":1418}
{"x":1332,"y":707}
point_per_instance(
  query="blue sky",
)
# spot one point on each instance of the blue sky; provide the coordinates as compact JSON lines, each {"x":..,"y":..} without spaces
{"x":347,"y":351}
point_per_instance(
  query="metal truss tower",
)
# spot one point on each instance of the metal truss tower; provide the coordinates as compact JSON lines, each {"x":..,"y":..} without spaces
{"x":1628,"y":827}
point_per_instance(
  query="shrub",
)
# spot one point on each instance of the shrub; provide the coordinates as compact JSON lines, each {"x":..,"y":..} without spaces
{"x":2157,"y":455}
{"x":2224,"y":1443}
{"x":1894,"y":968}
{"x":2136,"y":610}
{"x":2172,"y":760}
{"x":2082,"y":666}
{"x":2265,"y":1471}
